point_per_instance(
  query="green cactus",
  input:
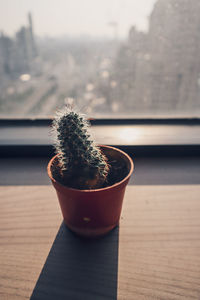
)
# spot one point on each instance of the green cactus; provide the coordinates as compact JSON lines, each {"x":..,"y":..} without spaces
{"x":81,"y":163}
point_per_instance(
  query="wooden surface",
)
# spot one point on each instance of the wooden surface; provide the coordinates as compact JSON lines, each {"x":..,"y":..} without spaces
{"x":159,"y":242}
{"x":29,"y":220}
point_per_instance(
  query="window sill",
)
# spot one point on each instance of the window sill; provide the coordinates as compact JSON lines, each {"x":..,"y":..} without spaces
{"x":147,"y":137}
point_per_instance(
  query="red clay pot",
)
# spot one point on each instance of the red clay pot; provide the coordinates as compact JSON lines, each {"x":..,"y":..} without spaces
{"x":92,"y":213}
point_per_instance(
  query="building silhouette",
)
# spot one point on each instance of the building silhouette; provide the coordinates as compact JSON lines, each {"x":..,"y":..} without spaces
{"x":174,"y":46}
{"x":17,"y":54}
{"x":159,"y":71}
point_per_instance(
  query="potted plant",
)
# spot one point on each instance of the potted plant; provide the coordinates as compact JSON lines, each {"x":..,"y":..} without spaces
{"x":90,"y":180}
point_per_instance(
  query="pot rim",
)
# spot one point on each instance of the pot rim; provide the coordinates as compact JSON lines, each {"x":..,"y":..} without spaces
{"x":94,"y":190}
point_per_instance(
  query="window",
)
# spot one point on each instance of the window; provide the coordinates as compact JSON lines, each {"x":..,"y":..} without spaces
{"x":123,"y":58}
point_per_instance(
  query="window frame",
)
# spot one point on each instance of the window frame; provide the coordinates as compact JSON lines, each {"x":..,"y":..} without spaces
{"x":15,"y":148}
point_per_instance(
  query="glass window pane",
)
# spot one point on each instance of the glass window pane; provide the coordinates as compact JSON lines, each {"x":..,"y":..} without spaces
{"x":110,"y":58}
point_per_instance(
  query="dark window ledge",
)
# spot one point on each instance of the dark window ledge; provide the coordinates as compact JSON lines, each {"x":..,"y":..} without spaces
{"x":147,"y":171}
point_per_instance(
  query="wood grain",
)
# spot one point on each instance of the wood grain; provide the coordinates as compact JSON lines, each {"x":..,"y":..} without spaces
{"x":29,"y":220}
{"x":159,"y":241}
{"x":159,"y":244}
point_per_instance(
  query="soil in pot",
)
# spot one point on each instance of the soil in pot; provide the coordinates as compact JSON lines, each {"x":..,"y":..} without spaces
{"x":118,"y":171}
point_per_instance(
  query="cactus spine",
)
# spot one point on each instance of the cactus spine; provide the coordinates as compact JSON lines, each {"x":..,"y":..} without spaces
{"x":81,"y":162}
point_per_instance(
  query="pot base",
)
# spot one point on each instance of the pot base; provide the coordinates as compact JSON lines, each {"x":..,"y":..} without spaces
{"x":91,"y":232}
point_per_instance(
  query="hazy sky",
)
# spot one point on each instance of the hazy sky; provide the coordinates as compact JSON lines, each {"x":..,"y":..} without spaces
{"x":75,"y":17}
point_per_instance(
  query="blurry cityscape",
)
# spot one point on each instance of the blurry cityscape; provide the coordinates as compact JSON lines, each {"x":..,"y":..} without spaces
{"x":151,"y":73}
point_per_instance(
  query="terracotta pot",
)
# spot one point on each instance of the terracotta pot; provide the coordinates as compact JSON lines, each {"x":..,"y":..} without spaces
{"x":92,"y":213}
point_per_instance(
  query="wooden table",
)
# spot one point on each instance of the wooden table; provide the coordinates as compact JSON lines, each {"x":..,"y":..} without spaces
{"x":155,"y":253}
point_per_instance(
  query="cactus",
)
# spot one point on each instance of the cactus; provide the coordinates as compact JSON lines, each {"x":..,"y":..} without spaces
{"x":81,"y":163}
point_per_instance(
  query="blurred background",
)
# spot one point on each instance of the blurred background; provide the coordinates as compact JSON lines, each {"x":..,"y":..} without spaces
{"x":111,"y":58}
